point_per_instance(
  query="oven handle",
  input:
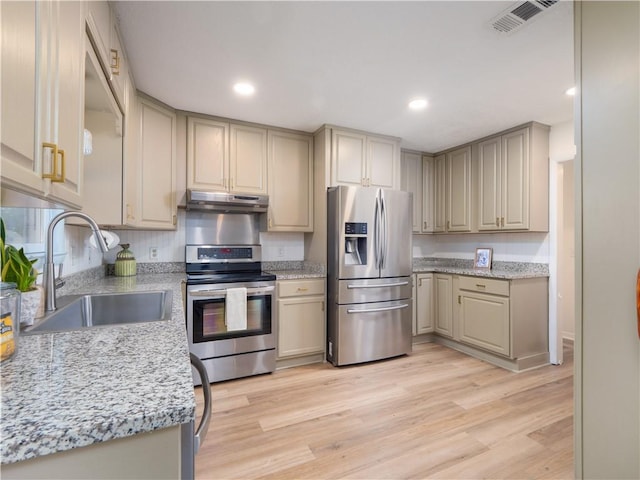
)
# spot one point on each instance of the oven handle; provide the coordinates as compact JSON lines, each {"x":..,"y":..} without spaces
{"x":201,"y":432}
{"x":223,"y":293}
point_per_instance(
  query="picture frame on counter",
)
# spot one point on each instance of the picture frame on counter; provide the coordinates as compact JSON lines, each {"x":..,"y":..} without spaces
{"x":483,"y":258}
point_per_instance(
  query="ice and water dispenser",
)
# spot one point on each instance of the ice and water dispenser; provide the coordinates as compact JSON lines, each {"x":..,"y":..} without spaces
{"x":355,"y":243}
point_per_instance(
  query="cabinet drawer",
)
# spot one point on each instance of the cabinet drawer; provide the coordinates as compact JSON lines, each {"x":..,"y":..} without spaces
{"x":484,"y":285}
{"x":297,"y":288}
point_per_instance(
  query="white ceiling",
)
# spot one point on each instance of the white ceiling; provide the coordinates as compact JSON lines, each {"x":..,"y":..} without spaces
{"x":355,"y":64}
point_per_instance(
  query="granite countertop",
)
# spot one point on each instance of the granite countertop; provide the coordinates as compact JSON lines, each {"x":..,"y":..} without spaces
{"x":72,"y":389}
{"x":294,"y":270}
{"x":501,"y":270}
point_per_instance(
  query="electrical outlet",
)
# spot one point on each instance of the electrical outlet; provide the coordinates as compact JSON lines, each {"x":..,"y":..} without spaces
{"x":153,"y":253}
{"x":280,"y":252}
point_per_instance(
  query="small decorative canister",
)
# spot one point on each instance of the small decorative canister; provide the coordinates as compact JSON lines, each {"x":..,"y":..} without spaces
{"x":9,"y":320}
{"x":125,"y":262}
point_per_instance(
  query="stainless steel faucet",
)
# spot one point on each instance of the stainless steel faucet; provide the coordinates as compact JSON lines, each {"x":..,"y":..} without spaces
{"x":49,"y":269}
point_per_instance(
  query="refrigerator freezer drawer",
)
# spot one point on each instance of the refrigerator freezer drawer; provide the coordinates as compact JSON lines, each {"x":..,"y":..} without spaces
{"x":373,"y":290}
{"x":370,"y":331}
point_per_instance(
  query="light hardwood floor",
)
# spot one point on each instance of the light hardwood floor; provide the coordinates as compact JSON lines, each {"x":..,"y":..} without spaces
{"x":436,"y":413}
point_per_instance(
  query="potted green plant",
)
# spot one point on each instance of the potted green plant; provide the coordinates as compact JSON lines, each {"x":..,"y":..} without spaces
{"x":18,"y":269}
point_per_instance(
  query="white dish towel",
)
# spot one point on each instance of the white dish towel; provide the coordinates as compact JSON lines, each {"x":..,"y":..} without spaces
{"x":236,"y":309}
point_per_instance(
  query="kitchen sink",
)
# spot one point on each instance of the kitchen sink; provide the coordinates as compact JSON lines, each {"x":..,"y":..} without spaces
{"x":85,"y":311}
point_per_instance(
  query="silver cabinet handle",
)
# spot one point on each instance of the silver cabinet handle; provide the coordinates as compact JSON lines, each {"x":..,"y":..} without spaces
{"x":373,"y":310}
{"x":201,"y":432}
{"x":399,"y":284}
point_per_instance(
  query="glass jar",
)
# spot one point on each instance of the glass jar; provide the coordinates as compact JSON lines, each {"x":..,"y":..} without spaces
{"x":9,"y":320}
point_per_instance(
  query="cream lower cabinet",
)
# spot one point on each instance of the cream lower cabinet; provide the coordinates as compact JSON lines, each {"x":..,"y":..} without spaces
{"x":424,"y":303}
{"x":42,"y":73}
{"x":290,"y":176}
{"x":148,"y":455}
{"x":301,"y":317}
{"x":443,"y":296}
{"x":507,"y":317}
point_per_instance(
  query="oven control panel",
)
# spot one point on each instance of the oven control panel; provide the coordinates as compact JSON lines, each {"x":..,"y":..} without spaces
{"x":222,"y":253}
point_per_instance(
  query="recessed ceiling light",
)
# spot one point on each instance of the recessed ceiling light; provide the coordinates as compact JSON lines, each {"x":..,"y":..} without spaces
{"x":571,"y":91}
{"x":417,"y":104}
{"x":244,"y":88}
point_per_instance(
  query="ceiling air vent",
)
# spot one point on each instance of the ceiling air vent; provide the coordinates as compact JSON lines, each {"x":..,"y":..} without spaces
{"x":519,"y":14}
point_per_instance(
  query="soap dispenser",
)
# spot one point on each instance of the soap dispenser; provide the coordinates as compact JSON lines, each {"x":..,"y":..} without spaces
{"x":125,"y":262}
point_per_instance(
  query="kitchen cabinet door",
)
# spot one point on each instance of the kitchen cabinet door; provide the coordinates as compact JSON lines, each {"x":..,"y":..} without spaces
{"x":42,"y":74}
{"x":131,"y":183}
{"x":290,"y":176}
{"x":411,"y":181}
{"x":515,"y":180}
{"x":382,"y":163}
{"x":348,"y":157}
{"x":157,"y":187}
{"x":301,"y":317}
{"x":484,"y":321}
{"x":440,"y":194}
{"x":65,"y":126}
{"x":20,"y":59}
{"x":247,"y":159}
{"x":428,"y":194}
{"x":207,"y":154}
{"x":459,"y":190}
{"x":488,"y":158}
{"x":424,"y":303}
{"x":443,"y":287}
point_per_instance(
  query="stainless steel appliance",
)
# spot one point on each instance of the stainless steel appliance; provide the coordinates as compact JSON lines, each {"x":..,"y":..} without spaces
{"x":369,"y":266}
{"x":224,"y":278}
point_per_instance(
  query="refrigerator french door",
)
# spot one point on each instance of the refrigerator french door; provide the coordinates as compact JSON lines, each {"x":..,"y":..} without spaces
{"x":369,"y":266}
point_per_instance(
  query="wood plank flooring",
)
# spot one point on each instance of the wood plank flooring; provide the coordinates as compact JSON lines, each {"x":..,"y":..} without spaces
{"x":436,"y":413}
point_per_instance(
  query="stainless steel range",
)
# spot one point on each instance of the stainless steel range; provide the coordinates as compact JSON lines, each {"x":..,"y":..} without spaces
{"x":229,"y":300}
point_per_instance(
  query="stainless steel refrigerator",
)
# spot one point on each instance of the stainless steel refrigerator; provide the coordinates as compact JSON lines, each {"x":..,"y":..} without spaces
{"x":369,"y":266}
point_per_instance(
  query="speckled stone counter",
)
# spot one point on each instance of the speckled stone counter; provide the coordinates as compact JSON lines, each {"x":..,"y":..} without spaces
{"x":294,"y":270}
{"x":503,"y":270}
{"x":71,"y":389}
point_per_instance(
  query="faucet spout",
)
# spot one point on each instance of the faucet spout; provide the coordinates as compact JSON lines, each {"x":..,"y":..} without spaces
{"x":49,"y":269}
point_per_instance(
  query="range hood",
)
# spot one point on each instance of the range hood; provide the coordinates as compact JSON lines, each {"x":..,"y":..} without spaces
{"x":226,"y":202}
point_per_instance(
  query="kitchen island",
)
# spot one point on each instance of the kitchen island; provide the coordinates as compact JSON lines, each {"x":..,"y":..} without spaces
{"x":66,"y":390}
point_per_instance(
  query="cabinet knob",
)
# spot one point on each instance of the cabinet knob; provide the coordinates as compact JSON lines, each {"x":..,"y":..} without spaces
{"x":502,"y":221}
{"x":301,"y":289}
{"x":497,"y":221}
{"x":425,"y":225}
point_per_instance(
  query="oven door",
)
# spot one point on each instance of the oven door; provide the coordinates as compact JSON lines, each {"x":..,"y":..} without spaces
{"x":206,"y":325}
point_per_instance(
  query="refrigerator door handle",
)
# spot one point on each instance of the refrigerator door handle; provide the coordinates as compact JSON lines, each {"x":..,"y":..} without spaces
{"x":376,"y":231}
{"x":380,"y":285}
{"x":380,"y":309}
{"x":384,"y":234}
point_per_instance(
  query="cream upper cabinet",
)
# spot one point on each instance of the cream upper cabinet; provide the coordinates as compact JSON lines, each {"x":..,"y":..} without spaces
{"x":513,"y":180}
{"x":226,"y":157}
{"x":103,"y":30}
{"x":290,"y":175}
{"x":424,"y":303}
{"x":364,"y":160}
{"x":42,"y":72}
{"x":207,"y":154}
{"x":21,"y":160}
{"x":348,"y":164}
{"x":301,"y":317}
{"x":458,"y":190}
{"x":383,"y":162}
{"x":428,"y":194}
{"x":440,"y":194}
{"x":156,"y":200}
{"x":131,"y":183}
{"x":411,"y":181}
{"x":247,"y":159}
